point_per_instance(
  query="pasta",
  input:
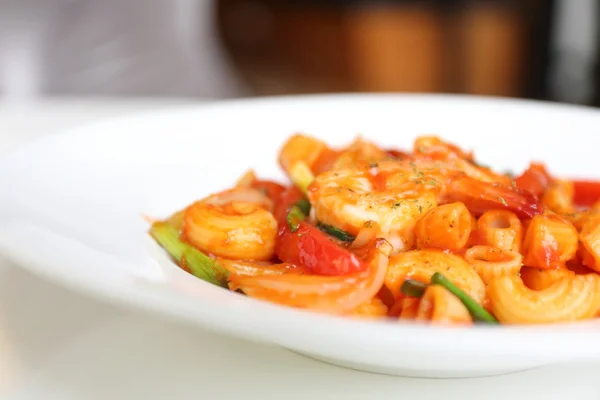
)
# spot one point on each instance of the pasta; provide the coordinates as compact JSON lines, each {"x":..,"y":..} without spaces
{"x":590,"y":241}
{"x":422,"y":264}
{"x":373,"y":308}
{"x":410,"y":308}
{"x":559,"y":197}
{"x":501,"y":229}
{"x":426,"y":235}
{"x":490,"y":262}
{"x":405,"y":308}
{"x":445,"y":227}
{"x":568,"y":299}
{"x":550,"y":241}
{"x":440,"y":306}
{"x":540,"y":279}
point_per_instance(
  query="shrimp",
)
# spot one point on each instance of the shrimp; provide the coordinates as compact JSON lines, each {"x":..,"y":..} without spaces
{"x":236,"y":224}
{"x":392,"y":194}
{"x":360,"y":151}
{"x":433,"y":148}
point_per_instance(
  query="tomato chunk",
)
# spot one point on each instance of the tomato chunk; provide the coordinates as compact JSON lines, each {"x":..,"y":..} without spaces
{"x":586,"y":192}
{"x":310,"y":248}
{"x":286,"y":200}
{"x":535,"y":179}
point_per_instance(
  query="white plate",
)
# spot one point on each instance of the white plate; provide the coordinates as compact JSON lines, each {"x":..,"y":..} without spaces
{"x":71,"y":205}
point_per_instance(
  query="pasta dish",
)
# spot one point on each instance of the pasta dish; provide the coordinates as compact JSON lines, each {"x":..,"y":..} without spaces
{"x":428,"y":235}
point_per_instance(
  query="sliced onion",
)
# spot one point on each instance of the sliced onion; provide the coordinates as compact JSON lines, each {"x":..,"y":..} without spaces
{"x":242,"y":195}
{"x":329,"y":294}
{"x":367,"y":234}
{"x":254,"y":268}
{"x":246,"y":180}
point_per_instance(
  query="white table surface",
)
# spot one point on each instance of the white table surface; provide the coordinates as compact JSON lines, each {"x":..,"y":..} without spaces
{"x":55,"y":344}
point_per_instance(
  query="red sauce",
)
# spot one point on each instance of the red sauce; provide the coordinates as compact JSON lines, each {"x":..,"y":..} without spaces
{"x":378,"y":178}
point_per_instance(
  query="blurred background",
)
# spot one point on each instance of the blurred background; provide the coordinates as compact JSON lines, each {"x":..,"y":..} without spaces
{"x":540,"y":49}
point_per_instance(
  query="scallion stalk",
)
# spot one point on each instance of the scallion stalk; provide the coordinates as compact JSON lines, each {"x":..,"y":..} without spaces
{"x":199,"y":264}
{"x":413,"y":288}
{"x":301,"y":175}
{"x":477,"y":312}
{"x":304,"y":206}
{"x":294,"y":217}
{"x":336,"y":232}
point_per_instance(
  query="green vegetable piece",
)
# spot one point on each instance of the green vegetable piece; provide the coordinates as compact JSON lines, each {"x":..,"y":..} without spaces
{"x":413,"y":288}
{"x":336,"y":232}
{"x":304,"y":206}
{"x":294,"y":217}
{"x":477,"y":312}
{"x":301,"y":175}
{"x":200,"y":265}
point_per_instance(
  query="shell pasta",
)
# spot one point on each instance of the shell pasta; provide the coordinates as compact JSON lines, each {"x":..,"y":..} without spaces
{"x":426,"y":235}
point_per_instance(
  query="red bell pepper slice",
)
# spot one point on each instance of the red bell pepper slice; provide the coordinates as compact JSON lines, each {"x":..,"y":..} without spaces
{"x":586,"y":192}
{"x":286,"y":200}
{"x":312,"y":249}
{"x":535,"y":179}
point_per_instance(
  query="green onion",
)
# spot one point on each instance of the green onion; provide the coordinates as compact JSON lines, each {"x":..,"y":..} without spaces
{"x":477,"y":312}
{"x":197,"y":262}
{"x":336,"y":232}
{"x":413,"y":288}
{"x":294,"y":217}
{"x":301,"y":175}
{"x":304,"y":206}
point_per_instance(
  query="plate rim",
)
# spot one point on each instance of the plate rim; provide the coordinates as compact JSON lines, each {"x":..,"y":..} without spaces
{"x":206,"y":105}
